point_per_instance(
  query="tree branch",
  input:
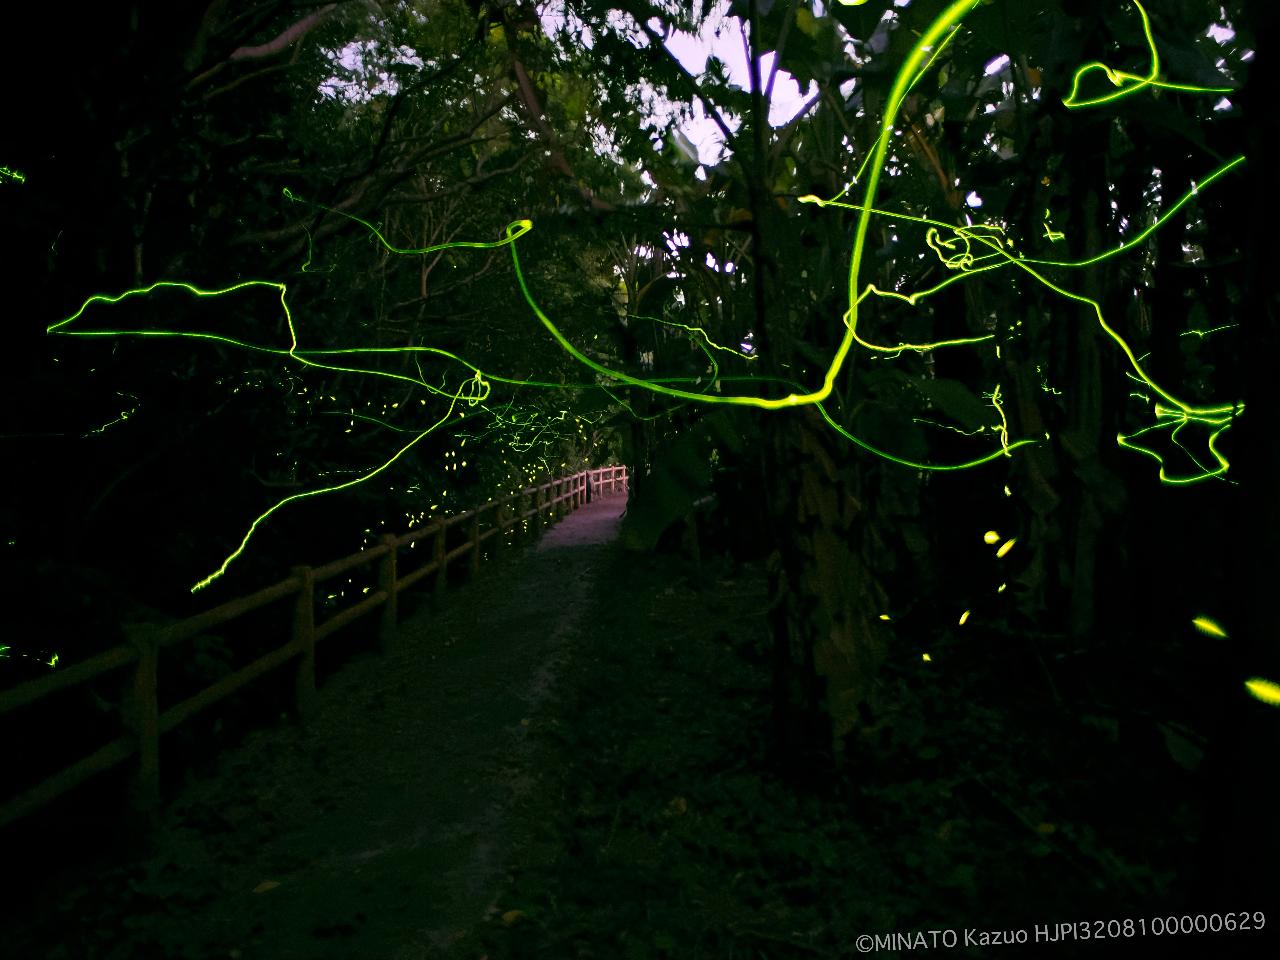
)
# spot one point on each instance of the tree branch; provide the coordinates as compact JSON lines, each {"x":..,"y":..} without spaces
{"x":286,"y":37}
{"x":712,"y":110}
{"x":529,"y":96}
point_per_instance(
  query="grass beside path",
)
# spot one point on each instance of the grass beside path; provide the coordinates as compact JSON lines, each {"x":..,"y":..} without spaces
{"x":665,"y":836}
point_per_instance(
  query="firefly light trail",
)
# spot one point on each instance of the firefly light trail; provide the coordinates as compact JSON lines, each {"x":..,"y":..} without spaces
{"x":955,"y":252}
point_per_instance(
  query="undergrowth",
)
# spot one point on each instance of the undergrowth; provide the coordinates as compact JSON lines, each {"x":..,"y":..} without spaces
{"x":983,"y":803}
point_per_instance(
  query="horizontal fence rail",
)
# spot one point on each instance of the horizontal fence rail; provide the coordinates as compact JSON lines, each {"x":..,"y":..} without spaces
{"x":531,"y":508}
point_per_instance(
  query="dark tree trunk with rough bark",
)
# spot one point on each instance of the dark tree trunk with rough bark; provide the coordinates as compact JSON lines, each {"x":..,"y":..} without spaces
{"x":1240,"y":845}
{"x":824,"y":601}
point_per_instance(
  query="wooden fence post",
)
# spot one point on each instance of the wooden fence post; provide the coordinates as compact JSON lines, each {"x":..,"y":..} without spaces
{"x":442,"y":573}
{"x":144,"y":723}
{"x":304,"y":638}
{"x":389,"y":626}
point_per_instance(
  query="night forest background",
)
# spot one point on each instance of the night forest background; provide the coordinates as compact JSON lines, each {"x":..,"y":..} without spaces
{"x":1060,"y":633}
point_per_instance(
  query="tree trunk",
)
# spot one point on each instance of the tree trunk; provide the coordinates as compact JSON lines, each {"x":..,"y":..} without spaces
{"x":1240,"y":843}
{"x":824,"y":603}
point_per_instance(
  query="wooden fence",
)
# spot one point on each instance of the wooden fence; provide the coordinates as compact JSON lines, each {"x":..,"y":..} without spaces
{"x":538,"y":505}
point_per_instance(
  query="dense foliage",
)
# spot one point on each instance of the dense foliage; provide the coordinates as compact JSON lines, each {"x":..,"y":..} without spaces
{"x":311,"y":146}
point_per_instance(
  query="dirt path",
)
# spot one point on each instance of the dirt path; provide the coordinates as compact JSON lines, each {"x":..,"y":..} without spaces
{"x":379,"y":831}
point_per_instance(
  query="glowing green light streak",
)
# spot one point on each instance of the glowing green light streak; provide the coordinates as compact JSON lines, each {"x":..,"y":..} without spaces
{"x":711,"y":384}
{"x":994,"y":397}
{"x":472,"y":391}
{"x":948,"y":426}
{"x":1044,"y":383}
{"x":1142,"y":235}
{"x":162,"y":285}
{"x":914,"y":465}
{"x":523,"y":227}
{"x":886,"y":130}
{"x":963,"y":263}
{"x":706,"y":337}
{"x":1053,"y":236}
{"x":1263,"y":690}
{"x":922,"y":55}
{"x":793,"y":399}
{"x":1183,"y":423}
{"x":950,"y":18}
{"x":478,"y":378}
{"x":876,"y":451}
{"x":513,"y":423}
{"x":625,"y":378}
{"x":1204,"y":333}
{"x":1118,"y":78}
{"x":1124,"y":346}
{"x":292,"y":351}
{"x":302,"y":355}
{"x":928,"y":64}
{"x":971,"y":232}
{"x":352,"y":415}
{"x":712,"y":381}
{"x":50,"y":663}
{"x":1209,"y":627}
{"x":945,"y":23}
{"x":932,"y":42}
{"x":9,"y":175}
{"x":280,"y":288}
{"x":631,"y":411}
{"x":306,"y":264}
{"x":124,"y":415}
{"x":299,"y":355}
{"x":1175,"y":421}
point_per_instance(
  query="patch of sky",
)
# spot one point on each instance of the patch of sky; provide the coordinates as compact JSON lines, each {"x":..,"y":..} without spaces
{"x":720,"y":35}
{"x":361,"y":70}
{"x":995,"y":65}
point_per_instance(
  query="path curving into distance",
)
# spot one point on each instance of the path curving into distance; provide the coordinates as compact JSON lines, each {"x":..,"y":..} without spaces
{"x":381,"y":830}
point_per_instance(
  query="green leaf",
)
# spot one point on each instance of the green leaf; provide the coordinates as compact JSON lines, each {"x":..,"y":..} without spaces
{"x":958,"y":402}
{"x":679,"y":475}
{"x":1184,"y":751}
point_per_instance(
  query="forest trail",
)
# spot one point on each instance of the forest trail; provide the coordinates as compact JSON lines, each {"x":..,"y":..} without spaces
{"x":379,"y":830}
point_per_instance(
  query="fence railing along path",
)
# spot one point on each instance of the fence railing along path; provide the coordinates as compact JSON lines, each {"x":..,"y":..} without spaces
{"x":535,"y":506}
